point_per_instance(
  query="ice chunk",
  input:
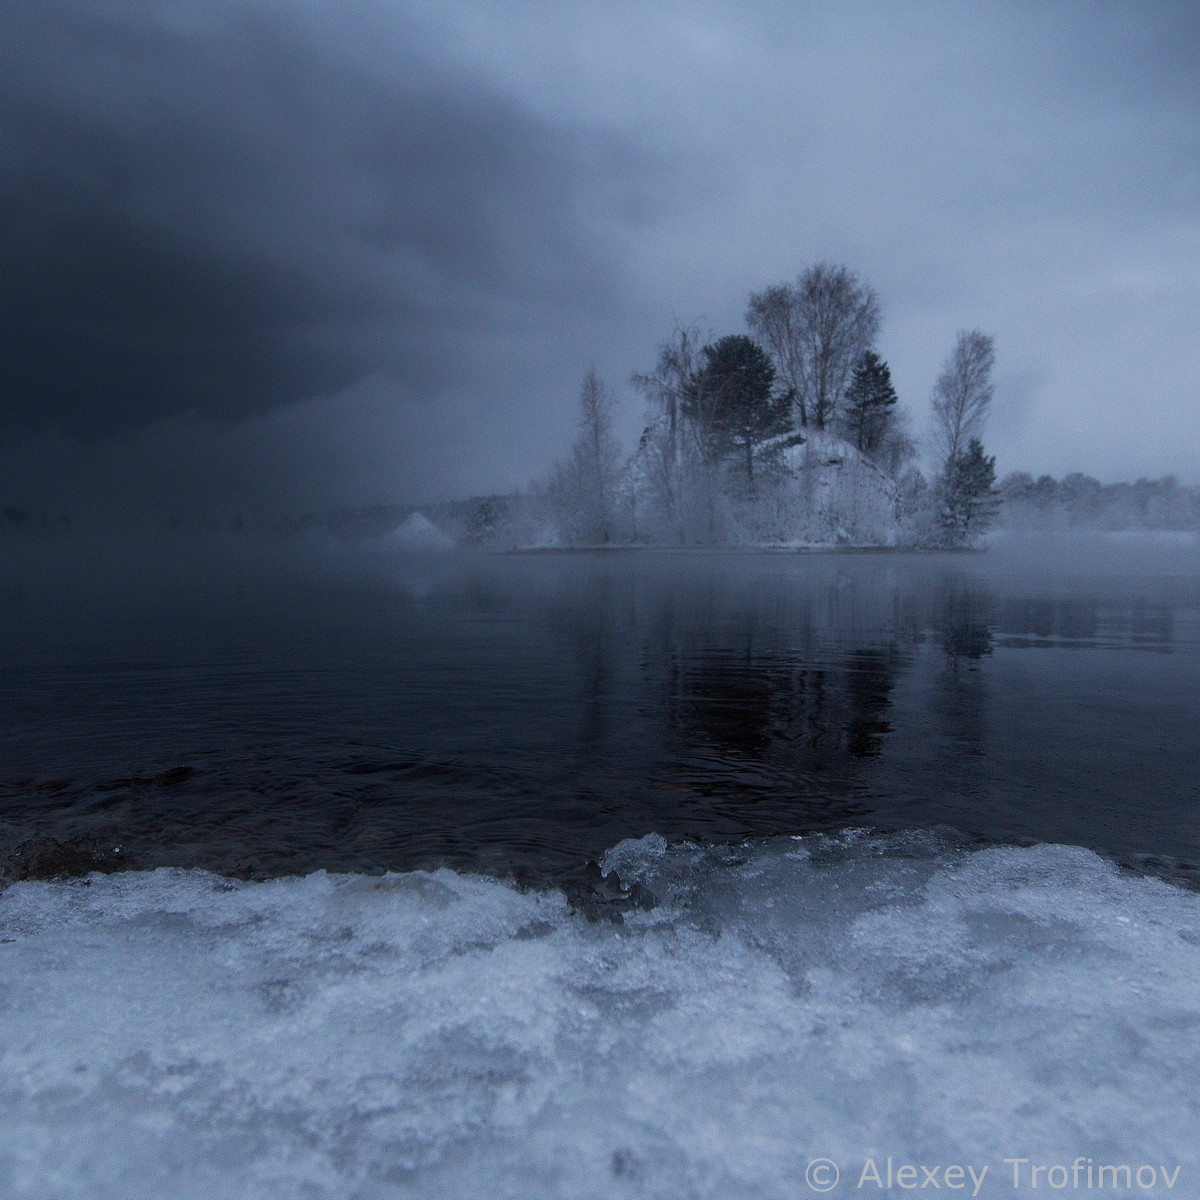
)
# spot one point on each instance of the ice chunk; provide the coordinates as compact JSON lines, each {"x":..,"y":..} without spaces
{"x":174,"y":1034}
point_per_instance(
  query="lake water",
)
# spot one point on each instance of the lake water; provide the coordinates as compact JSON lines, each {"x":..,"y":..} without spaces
{"x":522,"y":714}
{"x":633,"y":876}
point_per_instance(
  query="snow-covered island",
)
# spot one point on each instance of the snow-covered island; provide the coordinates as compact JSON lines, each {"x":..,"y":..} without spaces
{"x":790,"y":435}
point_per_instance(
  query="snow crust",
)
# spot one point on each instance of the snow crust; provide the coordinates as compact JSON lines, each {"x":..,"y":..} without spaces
{"x":837,"y":495}
{"x":174,"y":1034}
{"x":418,"y":532}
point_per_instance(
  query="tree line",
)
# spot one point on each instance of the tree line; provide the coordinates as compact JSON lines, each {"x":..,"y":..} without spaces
{"x":1080,"y":502}
{"x":742,"y":431}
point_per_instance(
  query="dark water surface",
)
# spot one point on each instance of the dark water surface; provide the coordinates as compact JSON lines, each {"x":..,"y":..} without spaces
{"x":521,"y":714}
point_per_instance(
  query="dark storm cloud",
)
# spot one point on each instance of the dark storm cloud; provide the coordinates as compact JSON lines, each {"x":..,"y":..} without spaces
{"x":236,"y":209}
{"x":298,"y":253}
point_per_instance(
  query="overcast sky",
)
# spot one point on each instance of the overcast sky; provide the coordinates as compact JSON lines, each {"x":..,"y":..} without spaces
{"x":298,"y":254}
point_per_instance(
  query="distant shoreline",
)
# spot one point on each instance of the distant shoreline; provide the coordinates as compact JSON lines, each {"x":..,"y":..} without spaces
{"x":735,"y":550}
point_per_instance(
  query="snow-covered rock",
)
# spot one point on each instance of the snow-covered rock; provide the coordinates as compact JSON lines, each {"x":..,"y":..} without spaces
{"x":837,"y":495}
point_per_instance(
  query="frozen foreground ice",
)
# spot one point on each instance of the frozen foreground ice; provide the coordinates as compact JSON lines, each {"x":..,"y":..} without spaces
{"x":172,"y":1034}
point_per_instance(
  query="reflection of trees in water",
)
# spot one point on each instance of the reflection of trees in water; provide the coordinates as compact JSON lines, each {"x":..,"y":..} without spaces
{"x":970,"y":620}
{"x":714,"y":702}
{"x":1151,"y":625}
{"x":960,"y":700}
{"x":872,"y":675}
{"x":964,"y":617}
{"x":735,"y":706}
{"x":964,"y":622}
{"x":816,"y":717}
{"x":745,"y":696}
{"x":791,"y":673}
{"x":748,"y":684}
{"x":595,"y":647}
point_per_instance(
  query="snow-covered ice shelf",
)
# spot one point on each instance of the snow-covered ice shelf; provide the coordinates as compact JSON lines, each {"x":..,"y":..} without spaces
{"x":173,"y":1034}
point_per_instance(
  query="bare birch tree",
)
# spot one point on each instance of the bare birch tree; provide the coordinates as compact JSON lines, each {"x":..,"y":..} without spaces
{"x":817,"y":329}
{"x":773,"y":314}
{"x":962,"y":396}
{"x":665,"y":445}
{"x":582,"y":493}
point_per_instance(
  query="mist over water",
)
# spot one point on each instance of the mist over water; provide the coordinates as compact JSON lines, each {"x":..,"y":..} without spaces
{"x":261,"y":711}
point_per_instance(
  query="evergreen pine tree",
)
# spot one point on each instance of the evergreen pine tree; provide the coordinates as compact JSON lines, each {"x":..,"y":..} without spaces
{"x":732,"y":403}
{"x":870,"y":402}
{"x":969,"y":497}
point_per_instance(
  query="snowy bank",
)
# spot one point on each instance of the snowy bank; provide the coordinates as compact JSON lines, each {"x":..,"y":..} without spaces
{"x":419,"y":533}
{"x":433,"y":1034}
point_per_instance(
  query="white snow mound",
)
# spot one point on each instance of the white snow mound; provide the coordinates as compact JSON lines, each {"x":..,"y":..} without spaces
{"x":418,"y":532}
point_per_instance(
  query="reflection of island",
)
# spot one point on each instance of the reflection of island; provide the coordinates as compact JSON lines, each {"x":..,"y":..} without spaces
{"x":766,"y":690}
{"x":757,"y":687}
{"x":814,"y":716}
{"x":801,"y":685}
{"x":965,"y":616}
{"x":536,"y":711}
